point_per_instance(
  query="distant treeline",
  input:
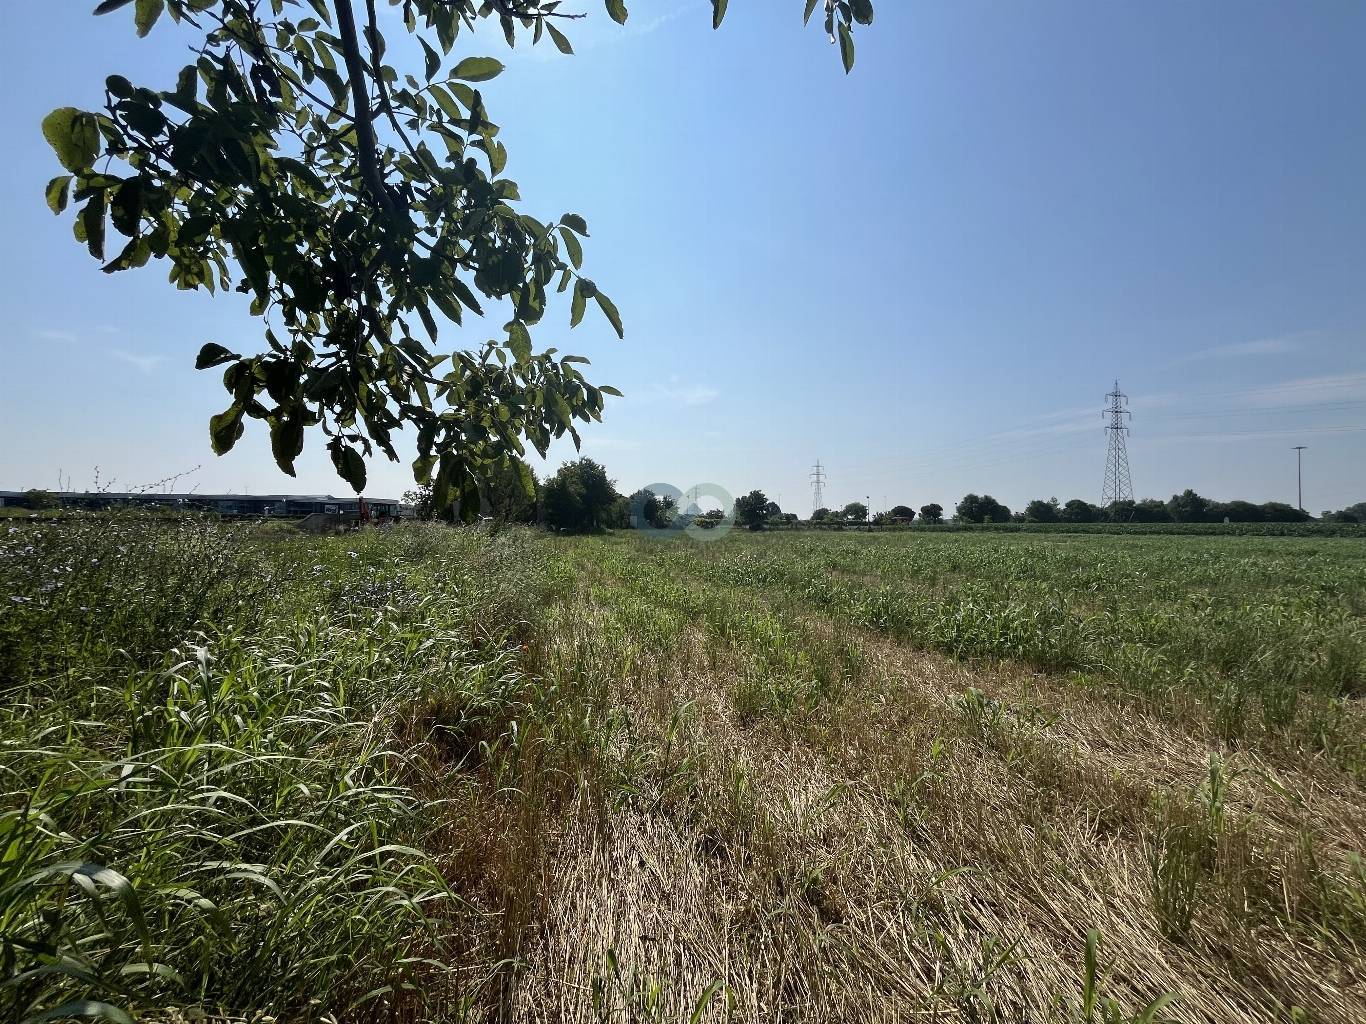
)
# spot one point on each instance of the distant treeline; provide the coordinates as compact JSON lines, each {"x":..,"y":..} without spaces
{"x":581,"y":497}
{"x":1186,"y":507}
{"x":1312,"y":528}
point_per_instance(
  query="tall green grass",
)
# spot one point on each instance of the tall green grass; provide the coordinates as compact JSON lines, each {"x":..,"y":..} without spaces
{"x":1265,"y":638}
{"x":216,"y":752}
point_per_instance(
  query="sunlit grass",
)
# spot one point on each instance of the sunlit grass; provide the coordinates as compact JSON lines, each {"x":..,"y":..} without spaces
{"x":433,"y":774}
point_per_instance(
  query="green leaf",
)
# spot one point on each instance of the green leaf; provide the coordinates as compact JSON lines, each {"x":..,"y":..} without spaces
{"x":572,"y":245}
{"x":146,"y":15}
{"x":447,"y":305}
{"x":92,"y":224}
{"x":577,"y":306}
{"x":58,"y":192}
{"x":863,"y":11}
{"x":119,"y":86}
{"x":478,"y":69}
{"x":109,"y":6}
{"x":348,"y":464}
{"x":560,"y":39}
{"x":519,"y":340}
{"x":610,"y":310}
{"x":718,"y":12}
{"x":846,"y":47}
{"x":575,"y":223}
{"x":432,"y":58}
{"x":607,"y":389}
{"x":225,"y":429}
{"x":810,"y":7}
{"x":74,"y":137}
{"x":498,"y":156}
{"x":135,"y":254}
{"x":213,"y":355}
{"x":126,"y":208}
{"x":446,"y":103}
{"x":617,"y":9}
{"x":286,"y":442}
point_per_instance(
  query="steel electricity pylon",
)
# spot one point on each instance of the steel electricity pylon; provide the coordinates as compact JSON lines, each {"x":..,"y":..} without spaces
{"x":818,"y":480}
{"x":1118,"y":485}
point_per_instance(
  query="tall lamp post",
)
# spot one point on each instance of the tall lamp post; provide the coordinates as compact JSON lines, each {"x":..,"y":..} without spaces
{"x":1299,"y":474}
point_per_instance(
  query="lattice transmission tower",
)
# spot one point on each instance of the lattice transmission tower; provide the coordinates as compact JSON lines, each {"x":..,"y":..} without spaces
{"x":818,"y":481}
{"x":1118,"y":485}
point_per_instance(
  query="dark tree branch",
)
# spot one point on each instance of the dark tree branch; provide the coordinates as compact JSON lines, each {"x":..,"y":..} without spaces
{"x":366,"y":144}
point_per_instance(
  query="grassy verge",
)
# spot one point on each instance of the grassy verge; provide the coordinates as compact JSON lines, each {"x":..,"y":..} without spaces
{"x":443,"y":775}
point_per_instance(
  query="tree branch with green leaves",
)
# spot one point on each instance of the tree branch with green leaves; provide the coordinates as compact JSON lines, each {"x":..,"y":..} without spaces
{"x":352,"y":203}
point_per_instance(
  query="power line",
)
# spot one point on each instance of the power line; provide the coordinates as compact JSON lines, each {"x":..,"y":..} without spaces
{"x":818,"y":480}
{"x":1118,"y":485}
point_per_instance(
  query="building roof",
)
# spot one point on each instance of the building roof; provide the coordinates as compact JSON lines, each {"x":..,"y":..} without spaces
{"x":195,"y":496}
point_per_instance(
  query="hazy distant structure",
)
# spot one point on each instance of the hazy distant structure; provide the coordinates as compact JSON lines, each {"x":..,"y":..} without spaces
{"x":1118,"y":485}
{"x":818,"y":480}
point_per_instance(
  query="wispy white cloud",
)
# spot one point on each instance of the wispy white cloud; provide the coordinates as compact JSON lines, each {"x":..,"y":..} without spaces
{"x":1237,"y":436}
{"x":1279,"y":346}
{"x":50,"y":334}
{"x":1080,"y":419}
{"x":144,"y":363}
{"x":1320,"y":390}
{"x":676,"y":392}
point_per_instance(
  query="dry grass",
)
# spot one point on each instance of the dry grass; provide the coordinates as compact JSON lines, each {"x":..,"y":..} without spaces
{"x":934,"y":843}
{"x":658,"y":786}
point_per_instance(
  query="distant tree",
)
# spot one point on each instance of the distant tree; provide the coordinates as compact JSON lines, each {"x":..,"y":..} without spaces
{"x":710,"y":519}
{"x":618,"y":515}
{"x":1280,"y":512}
{"x":821,"y":515}
{"x":1351,"y":514}
{"x":579,"y":497}
{"x":511,"y":492}
{"x":1040,"y":511}
{"x":1119,"y":511}
{"x":982,"y":509}
{"x":645,"y":507}
{"x":421,"y":499}
{"x":901,"y":513}
{"x":651,"y":509}
{"x":1151,"y":510}
{"x":1243,"y":512}
{"x":752,"y":510}
{"x":38,"y":500}
{"x":772,"y":511}
{"x":1188,"y":507}
{"x":1079,"y":511}
{"x":855,"y":512}
{"x":932,"y":513}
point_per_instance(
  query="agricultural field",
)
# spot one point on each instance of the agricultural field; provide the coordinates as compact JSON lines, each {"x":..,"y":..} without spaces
{"x":438,"y":774}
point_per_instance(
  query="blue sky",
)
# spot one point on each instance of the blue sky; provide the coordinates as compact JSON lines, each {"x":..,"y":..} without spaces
{"x":926,"y":274}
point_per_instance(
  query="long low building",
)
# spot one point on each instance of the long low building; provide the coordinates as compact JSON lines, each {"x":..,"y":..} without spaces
{"x":281,"y":506}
